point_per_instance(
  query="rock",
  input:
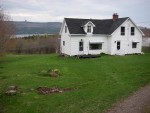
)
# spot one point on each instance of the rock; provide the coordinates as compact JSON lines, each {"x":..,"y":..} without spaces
{"x":53,"y":74}
{"x":12,"y":88}
{"x":11,"y":92}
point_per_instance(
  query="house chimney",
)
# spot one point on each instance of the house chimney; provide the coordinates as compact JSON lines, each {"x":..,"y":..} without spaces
{"x":115,"y":16}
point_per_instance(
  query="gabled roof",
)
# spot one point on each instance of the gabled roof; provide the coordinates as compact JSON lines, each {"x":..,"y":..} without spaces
{"x":107,"y":26}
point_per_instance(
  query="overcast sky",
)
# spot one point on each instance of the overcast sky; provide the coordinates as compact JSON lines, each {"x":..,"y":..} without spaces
{"x":56,"y":10}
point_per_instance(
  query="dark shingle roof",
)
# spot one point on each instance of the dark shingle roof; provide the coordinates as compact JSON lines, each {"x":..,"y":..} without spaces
{"x":107,"y":26}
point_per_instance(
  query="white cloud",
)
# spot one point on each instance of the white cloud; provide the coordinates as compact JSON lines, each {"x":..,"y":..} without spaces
{"x":56,"y":10}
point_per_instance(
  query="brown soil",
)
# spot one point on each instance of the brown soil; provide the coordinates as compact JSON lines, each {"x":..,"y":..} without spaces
{"x":47,"y":90}
{"x":136,"y":103}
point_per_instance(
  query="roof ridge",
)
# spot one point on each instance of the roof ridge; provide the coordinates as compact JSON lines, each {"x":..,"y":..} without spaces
{"x":93,"y":19}
{"x":104,"y":26}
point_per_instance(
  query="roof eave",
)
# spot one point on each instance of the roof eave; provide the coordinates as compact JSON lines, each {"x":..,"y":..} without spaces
{"x":77,"y":34}
{"x":60,"y":32}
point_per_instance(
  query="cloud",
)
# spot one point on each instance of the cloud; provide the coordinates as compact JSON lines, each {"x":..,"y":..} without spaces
{"x":56,"y":10}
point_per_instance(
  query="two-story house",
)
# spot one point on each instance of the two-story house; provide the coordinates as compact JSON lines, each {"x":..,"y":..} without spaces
{"x":116,"y":36}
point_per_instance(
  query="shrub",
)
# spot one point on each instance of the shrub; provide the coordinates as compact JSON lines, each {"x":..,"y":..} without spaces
{"x":55,"y":73}
{"x":44,"y":73}
{"x":50,"y":72}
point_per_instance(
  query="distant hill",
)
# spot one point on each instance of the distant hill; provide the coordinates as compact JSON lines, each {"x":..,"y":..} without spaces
{"x":24,"y":27}
{"x":37,"y":27}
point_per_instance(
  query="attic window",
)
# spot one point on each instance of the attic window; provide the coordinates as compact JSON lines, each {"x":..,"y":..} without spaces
{"x":132,"y":30}
{"x":65,"y":29}
{"x":89,"y":29}
{"x":122,"y":30}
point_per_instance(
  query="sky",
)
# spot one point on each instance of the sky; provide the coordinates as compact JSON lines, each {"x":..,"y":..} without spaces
{"x":57,"y":10}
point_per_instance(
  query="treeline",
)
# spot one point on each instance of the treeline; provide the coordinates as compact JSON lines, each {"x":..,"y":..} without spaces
{"x":34,"y":45}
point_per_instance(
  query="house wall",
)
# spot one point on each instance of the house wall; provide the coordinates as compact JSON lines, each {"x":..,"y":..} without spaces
{"x":109,"y":45}
{"x":86,"y":39}
{"x":126,"y":40}
{"x":65,"y":49}
{"x":146,"y":41}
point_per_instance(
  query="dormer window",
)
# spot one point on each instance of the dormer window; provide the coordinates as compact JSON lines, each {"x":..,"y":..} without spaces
{"x":89,"y":29}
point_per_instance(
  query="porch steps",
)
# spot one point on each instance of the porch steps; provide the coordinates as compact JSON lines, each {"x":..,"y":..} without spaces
{"x":88,"y":56}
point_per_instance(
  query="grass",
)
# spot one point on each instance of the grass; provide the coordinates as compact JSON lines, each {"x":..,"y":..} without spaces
{"x":98,"y":83}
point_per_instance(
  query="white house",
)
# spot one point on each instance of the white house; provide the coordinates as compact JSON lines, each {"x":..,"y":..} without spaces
{"x":116,"y":36}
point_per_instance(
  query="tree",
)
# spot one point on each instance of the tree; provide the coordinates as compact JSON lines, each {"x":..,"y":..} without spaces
{"x":6,"y":30}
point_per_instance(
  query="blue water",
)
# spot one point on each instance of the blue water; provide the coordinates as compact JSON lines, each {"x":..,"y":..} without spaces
{"x":26,"y":35}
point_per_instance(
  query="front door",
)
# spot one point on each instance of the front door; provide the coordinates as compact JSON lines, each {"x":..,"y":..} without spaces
{"x":118,"y":45}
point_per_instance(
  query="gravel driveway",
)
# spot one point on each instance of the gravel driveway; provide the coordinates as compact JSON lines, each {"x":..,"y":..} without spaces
{"x":136,"y":103}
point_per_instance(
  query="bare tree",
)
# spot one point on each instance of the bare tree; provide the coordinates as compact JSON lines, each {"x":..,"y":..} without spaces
{"x":6,"y":29}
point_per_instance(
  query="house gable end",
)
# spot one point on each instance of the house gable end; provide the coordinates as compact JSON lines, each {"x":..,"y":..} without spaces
{"x":137,"y":27}
{"x":117,"y":25}
{"x":62,"y":30}
{"x":125,"y":21}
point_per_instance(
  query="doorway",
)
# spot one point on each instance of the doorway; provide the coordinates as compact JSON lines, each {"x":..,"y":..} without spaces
{"x":118,"y":45}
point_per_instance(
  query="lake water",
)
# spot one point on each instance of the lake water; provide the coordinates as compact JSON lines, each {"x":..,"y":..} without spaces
{"x":27,"y":35}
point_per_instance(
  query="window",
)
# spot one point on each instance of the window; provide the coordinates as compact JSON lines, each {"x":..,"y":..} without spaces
{"x":65,"y":29}
{"x":122,"y":30}
{"x":89,"y":29}
{"x":97,"y":46}
{"x":118,"y":45}
{"x":63,"y":43}
{"x":81,"y":45}
{"x":134,"y":44}
{"x":132,"y":30}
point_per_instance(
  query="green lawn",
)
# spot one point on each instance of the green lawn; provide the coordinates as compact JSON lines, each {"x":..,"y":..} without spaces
{"x":97,"y":83}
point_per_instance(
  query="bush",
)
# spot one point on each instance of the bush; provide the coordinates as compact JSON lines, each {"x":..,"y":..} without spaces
{"x":55,"y":73}
{"x":50,"y":72}
{"x":44,"y":73}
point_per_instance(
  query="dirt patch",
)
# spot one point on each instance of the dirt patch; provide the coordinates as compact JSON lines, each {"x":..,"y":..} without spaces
{"x":47,"y":90}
